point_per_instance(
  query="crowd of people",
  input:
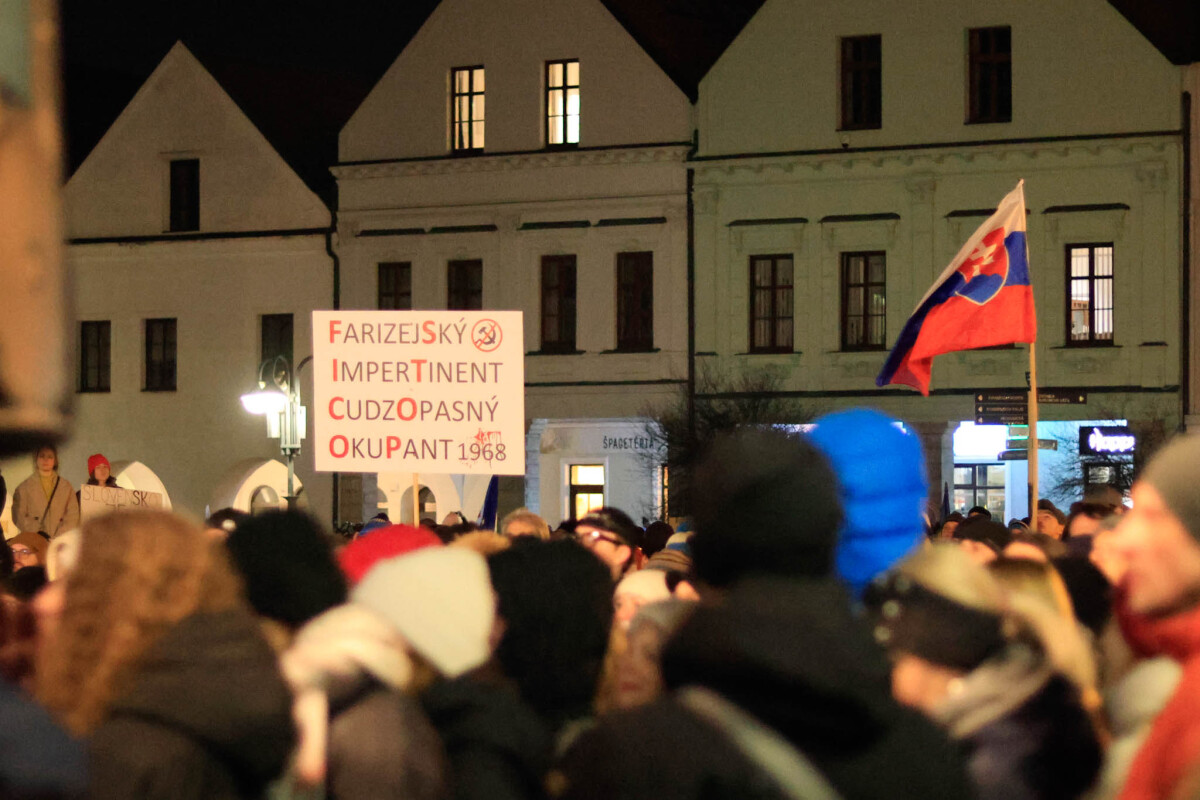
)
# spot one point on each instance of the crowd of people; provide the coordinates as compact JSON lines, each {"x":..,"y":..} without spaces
{"x":814,"y":630}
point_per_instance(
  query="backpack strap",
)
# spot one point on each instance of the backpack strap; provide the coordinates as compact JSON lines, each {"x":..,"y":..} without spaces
{"x":49,"y":500}
{"x":791,"y":770}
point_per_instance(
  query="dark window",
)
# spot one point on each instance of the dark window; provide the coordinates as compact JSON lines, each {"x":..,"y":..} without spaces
{"x":979,"y":485}
{"x":277,"y":336}
{"x":466,"y":109}
{"x":771,"y":304}
{"x":558,"y":304}
{"x":990,"y":75}
{"x":864,"y":298}
{"x":1089,"y":294}
{"x":562,"y":103}
{"x":862,"y":96}
{"x":465,"y":282}
{"x":94,"y":359}
{"x":395,"y":286}
{"x":185,"y":194}
{"x":160,"y":355}
{"x":635,"y":301}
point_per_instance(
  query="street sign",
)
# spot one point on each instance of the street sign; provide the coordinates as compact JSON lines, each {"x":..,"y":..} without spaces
{"x":1011,"y":407}
{"x":1023,"y":444}
{"x":1061,"y":397}
{"x":1014,"y":455}
{"x":989,"y":418}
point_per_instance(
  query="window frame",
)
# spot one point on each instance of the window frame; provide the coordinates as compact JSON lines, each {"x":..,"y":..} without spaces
{"x":565,"y":293}
{"x":183,"y":189}
{"x":468,"y":124}
{"x":460,"y":294}
{"x":773,"y":346}
{"x":562,"y":121}
{"x":103,"y":356}
{"x":988,"y":67}
{"x":636,"y":323}
{"x":865,"y":286}
{"x":398,"y":272}
{"x":1092,"y":278}
{"x":977,"y":488}
{"x":156,"y":379}
{"x":867,"y":112}
{"x":576,"y":489}
{"x":270,"y":319}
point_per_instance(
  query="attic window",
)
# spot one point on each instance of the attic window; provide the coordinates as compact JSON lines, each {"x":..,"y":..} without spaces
{"x":466,"y":109}
{"x":562,"y":103}
{"x":185,"y":194}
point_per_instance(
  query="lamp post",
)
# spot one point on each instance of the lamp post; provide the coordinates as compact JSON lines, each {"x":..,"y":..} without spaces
{"x":287,"y":419}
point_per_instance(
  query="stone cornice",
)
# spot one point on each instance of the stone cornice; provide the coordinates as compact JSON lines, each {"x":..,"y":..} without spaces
{"x":504,"y":162}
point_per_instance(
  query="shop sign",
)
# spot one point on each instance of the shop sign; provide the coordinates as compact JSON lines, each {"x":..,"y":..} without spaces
{"x":1101,"y":440}
{"x":419,"y":391}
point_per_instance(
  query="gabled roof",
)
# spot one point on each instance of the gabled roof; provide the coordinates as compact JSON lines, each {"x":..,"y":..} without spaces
{"x":1173,"y":26}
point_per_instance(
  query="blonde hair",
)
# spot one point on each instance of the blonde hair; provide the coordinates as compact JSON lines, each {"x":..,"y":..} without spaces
{"x":523,"y":514}
{"x":486,"y":543}
{"x":138,"y":574}
{"x":1037,"y":613}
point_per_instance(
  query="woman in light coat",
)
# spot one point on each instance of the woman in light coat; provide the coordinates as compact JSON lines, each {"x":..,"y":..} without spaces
{"x":45,"y":502}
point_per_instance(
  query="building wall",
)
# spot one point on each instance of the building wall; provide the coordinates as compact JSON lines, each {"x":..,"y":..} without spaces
{"x":773,"y":177}
{"x":625,"y":97}
{"x":1191,"y":84}
{"x":1079,"y":68}
{"x":216,"y":287}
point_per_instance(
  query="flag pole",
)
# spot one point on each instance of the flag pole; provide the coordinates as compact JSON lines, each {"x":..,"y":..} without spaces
{"x":1032,"y":441}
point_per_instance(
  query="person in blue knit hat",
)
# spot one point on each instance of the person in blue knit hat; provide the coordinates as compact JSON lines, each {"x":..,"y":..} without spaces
{"x":880,"y":470}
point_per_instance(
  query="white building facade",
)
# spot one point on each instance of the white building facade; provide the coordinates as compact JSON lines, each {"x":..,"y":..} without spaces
{"x":879,"y":137}
{"x":530,"y":155}
{"x":192,"y":246}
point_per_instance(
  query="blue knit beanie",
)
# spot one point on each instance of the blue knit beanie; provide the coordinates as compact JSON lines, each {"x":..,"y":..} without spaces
{"x":882,"y":486}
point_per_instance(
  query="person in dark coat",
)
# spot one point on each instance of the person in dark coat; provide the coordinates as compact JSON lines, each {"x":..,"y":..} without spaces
{"x":781,"y":645}
{"x":157,"y":662}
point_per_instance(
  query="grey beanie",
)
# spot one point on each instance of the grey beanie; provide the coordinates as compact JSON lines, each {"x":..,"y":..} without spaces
{"x":1172,"y":473}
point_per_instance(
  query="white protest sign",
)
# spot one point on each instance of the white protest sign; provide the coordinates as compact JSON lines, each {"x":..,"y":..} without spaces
{"x":97,"y":500}
{"x":419,"y":391}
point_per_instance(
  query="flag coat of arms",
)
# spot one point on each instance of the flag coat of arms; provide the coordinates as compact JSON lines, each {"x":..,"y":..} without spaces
{"x":983,"y":299}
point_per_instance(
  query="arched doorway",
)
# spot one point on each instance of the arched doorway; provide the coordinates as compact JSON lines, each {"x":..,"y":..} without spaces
{"x":428,"y":505}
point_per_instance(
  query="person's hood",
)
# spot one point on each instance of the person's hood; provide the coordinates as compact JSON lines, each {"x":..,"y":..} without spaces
{"x":478,"y":711}
{"x":790,"y":652}
{"x":214,"y":678}
{"x":1177,"y":636}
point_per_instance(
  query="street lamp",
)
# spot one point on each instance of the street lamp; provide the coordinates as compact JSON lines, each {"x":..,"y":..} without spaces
{"x":280,"y":404}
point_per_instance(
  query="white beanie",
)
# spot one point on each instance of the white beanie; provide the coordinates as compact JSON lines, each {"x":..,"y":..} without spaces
{"x":441,"y":601}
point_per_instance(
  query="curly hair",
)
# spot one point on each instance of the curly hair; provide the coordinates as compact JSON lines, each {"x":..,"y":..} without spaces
{"x":138,"y":574}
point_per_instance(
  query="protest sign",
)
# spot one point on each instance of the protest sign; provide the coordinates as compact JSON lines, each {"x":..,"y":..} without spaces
{"x":419,"y":391}
{"x":97,"y":500}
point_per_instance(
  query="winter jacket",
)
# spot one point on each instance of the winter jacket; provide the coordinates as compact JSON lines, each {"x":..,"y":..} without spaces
{"x":1172,"y":748}
{"x":37,"y":758}
{"x":207,"y":715}
{"x":790,"y":653}
{"x":497,"y":747}
{"x":29,"y":503}
{"x":1026,"y":733}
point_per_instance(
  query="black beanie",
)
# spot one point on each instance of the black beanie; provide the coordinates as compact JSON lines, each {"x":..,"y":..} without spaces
{"x":985,"y":530}
{"x":763,"y":501}
{"x":287,"y":565}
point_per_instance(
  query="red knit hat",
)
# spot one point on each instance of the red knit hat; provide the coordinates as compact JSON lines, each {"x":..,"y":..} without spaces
{"x":95,"y":461}
{"x":357,"y":558}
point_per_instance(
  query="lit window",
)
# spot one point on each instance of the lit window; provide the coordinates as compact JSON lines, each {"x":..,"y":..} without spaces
{"x":587,"y":488}
{"x":771,"y":304}
{"x":562,"y":103}
{"x":1090,"y":299}
{"x":979,"y":485}
{"x":466,"y":109}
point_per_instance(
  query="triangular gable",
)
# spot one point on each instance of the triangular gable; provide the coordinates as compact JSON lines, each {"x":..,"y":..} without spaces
{"x":181,"y":111}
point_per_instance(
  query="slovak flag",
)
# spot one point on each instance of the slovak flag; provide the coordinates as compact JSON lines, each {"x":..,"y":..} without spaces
{"x":983,"y":299}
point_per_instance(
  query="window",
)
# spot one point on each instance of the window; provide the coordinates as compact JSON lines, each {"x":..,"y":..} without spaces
{"x":863,"y":301}
{"x":277,"y":337}
{"x":94,"y":362}
{"x":635,"y":301}
{"x":558,"y":304}
{"x":160,"y":355}
{"x":990,"y":77}
{"x":395,"y":286}
{"x":185,"y":194}
{"x":1089,"y":294}
{"x":862,"y":97}
{"x":771,"y":304}
{"x":465,"y":285}
{"x":466,"y":108}
{"x":979,"y":485}
{"x":562,"y":103}
{"x":586,"y":489}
